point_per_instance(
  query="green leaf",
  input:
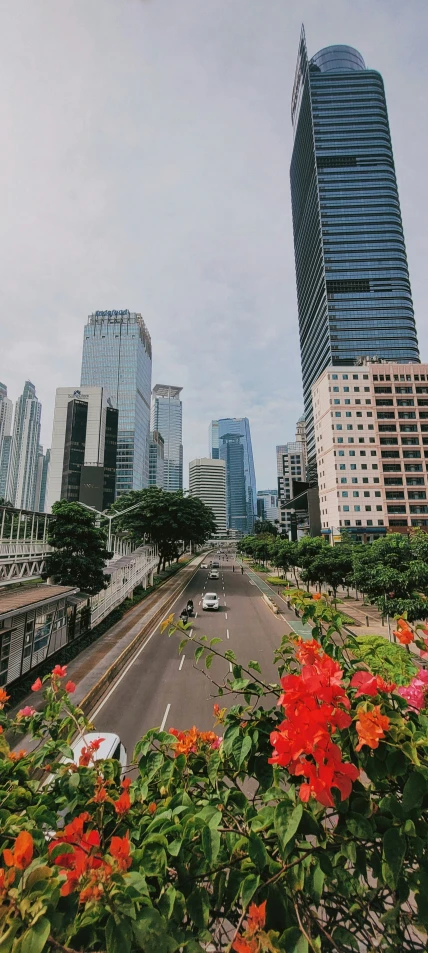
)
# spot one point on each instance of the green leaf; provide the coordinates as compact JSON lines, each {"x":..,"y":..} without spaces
{"x":151,"y":932}
{"x":230,"y":735}
{"x":210,"y":844}
{"x":198,"y":907}
{"x":245,"y":749}
{"x":263,"y":819}
{"x":8,"y":937}
{"x":255,"y":666}
{"x":215,"y":641}
{"x":153,"y":860}
{"x":414,"y":791}
{"x":248,"y":888}
{"x":209,"y":660}
{"x":394,"y":850}
{"x":118,"y":935}
{"x":346,"y":939}
{"x":257,"y":851}
{"x":154,"y":763}
{"x":198,"y":652}
{"x":359,"y":826}
{"x":293,"y":941}
{"x":60,"y":849}
{"x":286,"y":823}
{"x":316,"y":883}
{"x":35,"y":938}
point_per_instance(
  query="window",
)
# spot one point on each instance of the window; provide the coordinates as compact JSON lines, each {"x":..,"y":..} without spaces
{"x":336,"y":400}
{"x":362,"y":453}
{"x":348,"y":413}
{"x":336,"y":390}
{"x":352,"y":453}
{"x":346,"y":389}
{"x":344,"y":377}
{"x":338,"y":413}
{"x":349,"y":426}
{"x":368,"y":509}
{"x":342,"y":466}
{"x":346,"y":509}
{"x":366,"y":492}
{"x":353,"y":466}
{"x":357,"y":508}
{"x":354,"y":479}
{"x":355,"y":493}
{"x":343,"y":480}
{"x":344,"y":493}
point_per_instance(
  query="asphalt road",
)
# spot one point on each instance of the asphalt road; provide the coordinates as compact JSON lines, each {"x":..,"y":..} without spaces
{"x":161,"y":688}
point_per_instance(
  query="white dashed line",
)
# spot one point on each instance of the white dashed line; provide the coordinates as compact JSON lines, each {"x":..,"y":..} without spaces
{"x":181,"y":663}
{"x":230,"y":666}
{"x":190,"y":633}
{"x":196,"y":614}
{"x":227,"y":634}
{"x":225,"y":616}
{"x":165,"y":716}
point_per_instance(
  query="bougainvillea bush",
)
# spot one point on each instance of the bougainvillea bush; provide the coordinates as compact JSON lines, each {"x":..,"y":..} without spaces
{"x":298,"y":824}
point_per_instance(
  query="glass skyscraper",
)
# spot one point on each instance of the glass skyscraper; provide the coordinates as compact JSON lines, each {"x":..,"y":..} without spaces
{"x":117,"y":354}
{"x":230,"y":440}
{"x":24,"y":450}
{"x":353,"y":287}
{"x":167,"y":419}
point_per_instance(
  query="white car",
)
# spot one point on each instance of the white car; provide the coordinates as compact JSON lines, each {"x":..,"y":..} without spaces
{"x":214,"y":574}
{"x":204,"y":566}
{"x":210,"y":601}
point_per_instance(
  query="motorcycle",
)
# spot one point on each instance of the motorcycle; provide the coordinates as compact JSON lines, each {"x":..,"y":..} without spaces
{"x":190,"y":607}
{"x":184,"y":616}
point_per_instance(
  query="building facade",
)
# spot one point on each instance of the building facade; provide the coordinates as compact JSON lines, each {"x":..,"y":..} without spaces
{"x":84,"y":447}
{"x":371,"y":432}
{"x":6,"y":411}
{"x":117,"y":355}
{"x":4,"y":465}
{"x":167,"y":419}
{"x":290,"y":468}
{"x":235,"y":448}
{"x":157,"y":462}
{"x":353,"y":287}
{"x":44,"y":481}
{"x":267,"y":505}
{"x":207,"y":481}
{"x":24,"y":450}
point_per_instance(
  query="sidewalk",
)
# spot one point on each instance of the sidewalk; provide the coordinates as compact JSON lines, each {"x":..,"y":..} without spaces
{"x":87,"y":668}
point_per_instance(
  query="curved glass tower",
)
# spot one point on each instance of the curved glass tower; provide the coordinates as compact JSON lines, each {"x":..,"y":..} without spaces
{"x":353,"y":287}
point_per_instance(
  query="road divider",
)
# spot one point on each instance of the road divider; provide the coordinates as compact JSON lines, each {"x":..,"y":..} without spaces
{"x":271,"y":604}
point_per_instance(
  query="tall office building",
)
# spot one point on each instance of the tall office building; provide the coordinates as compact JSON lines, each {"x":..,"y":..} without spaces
{"x":267,"y":505}
{"x":290,"y":465}
{"x":235,"y":448}
{"x":24,"y":450}
{"x":157,"y":462}
{"x":84,"y":446}
{"x":167,"y":419}
{"x":6,"y":410}
{"x":207,"y":481}
{"x":4,"y":465}
{"x":44,"y":481}
{"x":117,"y":355}
{"x":353,"y":287}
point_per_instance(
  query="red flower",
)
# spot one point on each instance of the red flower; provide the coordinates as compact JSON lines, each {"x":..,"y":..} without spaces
{"x":70,"y":687}
{"x":316,"y":596}
{"x":3,"y":697}
{"x":256,"y":917}
{"x":371,"y":727}
{"x":60,"y":671}
{"x":26,"y":712}
{"x":120,"y":850}
{"x":152,"y":808}
{"x":307,"y":652}
{"x":365,"y":682}
{"x":126,"y":784}
{"x":404,"y":635}
{"x":123,"y":803}
{"x":37,"y":685}
{"x":22,"y":853}
{"x":87,"y":753}
{"x":385,"y":686}
{"x":240,"y":945}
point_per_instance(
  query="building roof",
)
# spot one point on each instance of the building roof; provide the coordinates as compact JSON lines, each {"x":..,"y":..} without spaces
{"x":167,"y":390}
{"x":12,"y":600}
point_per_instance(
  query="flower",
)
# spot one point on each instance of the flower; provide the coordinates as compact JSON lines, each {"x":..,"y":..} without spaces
{"x":22,"y":853}
{"x":368,"y":684}
{"x":88,"y":751}
{"x":4,"y":697}
{"x":7,"y":878}
{"x":371,"y":727}
{"x":256,"y":917}
{"x":70,"y":687}
{"x":126,"y":784}
{"x":17,"y":755}
{"x":385,"y":686}
{"x":316,"y":596}
{"x":120,"y":850}
{"x":123,"y":803}
{"x":416,"y":691}
{"x":404,"y":635}
{"x":193,"y":741}
{"x":60,"y":671}
{"x":240,"y":945}
{"x":152,"y":808}
{"x":307,"y":652}
{"x":26,"y":712}
{"x":37,"y":685}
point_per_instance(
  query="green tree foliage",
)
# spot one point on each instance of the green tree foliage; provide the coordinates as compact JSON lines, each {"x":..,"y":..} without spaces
{"x":167,"y":519}
{"x":265,"y":527}
{"x":393,"y":574}
{"x":393,"y":662}
{"x":331,"y":565}
{"x":80,"y":553}
{"x":302,"y":829}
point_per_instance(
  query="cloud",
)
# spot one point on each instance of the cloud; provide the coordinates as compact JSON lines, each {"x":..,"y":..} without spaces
{"x":146,"y":148}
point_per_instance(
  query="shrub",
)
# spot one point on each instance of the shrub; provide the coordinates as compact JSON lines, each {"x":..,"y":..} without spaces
{"x":384,"y":658}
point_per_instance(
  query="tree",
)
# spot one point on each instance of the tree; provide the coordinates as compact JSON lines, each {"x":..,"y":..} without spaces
{"x":298,"y":823}
{"x":167,"y":519}
{"x":332,"y":565}
{"x":393,"y":573}
{"x":80,"y":552}
{"x":264,"y":527}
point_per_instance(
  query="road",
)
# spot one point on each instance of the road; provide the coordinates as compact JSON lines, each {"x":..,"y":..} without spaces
{"x":161,"y":688}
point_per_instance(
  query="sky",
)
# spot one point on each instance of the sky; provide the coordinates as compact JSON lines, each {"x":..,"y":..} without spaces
{"x":145,"y":161}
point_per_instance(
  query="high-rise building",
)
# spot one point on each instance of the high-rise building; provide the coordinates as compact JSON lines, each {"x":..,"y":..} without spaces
{"x":353,"y":287}
{"x":372,"y":449}
{"x":39,"y":477}
{"x":207,"y":481}
{"x":84,"y":446}
{"x":213,"y":440}
{"x":44,"y":480}
{"x":157,"y":462}
{"x":6,"y":409}
{"x":235,"y":448}
{"x":290,"y":463}
{"x":167,"y":419}
{"x":267,"y":505}
{"x":4,"y":465}
{"x":117,"y":355}
{"x":24,"y":450}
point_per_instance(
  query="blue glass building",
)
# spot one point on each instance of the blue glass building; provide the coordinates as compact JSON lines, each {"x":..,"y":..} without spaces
{"x":117,"y":354}
{"x":230,"y":440}
{"x":353,"y":287}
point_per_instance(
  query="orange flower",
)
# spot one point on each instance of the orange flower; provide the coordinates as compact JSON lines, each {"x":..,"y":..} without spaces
{"x":240,"y":945}
{"x":256,"y":917}
{"x":120,"y":850}
{"x":100,"y":796}
{"x":123,"y":803}
{"x":70,"y":687}
{"x":371,"y":727}
{"x":60,"y":671}
{"x":404,"y":635}
{"x":307,"y":652}
{"x":22,"y":853}
{"x":7,"y":878}
{"x":17,"y":755}
{"x":152,"y":808}
{"x":316,"y":596}
{"x":4,"y":697}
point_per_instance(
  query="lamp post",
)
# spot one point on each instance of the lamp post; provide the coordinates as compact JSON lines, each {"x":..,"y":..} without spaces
{"x":106,"y":516}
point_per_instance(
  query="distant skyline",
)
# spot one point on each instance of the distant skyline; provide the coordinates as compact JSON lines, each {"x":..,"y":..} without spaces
{"x":147,"y":167}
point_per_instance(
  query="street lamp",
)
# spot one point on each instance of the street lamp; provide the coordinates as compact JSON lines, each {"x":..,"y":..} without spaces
{"x":106,"y":516}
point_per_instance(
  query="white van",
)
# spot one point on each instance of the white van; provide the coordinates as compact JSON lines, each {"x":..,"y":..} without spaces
{"x":110,"y":747}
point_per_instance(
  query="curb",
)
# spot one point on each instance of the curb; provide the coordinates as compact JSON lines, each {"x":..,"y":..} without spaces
{"x":269,"y":602}
{"x":96,"y":692}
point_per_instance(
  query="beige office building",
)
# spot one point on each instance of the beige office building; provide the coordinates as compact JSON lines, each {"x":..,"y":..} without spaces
{"x":207,"y":480}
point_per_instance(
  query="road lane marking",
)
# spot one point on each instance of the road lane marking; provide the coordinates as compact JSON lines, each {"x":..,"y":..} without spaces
{"x":181,"y":663}
{"x":165,"y":716}
{"x":227,"y":634}
{"x":230,"y":666}
{"x":190,"y":633}
{"x":196,"y":614}
{"x":198,"y":605}
{"x":225,"y":616}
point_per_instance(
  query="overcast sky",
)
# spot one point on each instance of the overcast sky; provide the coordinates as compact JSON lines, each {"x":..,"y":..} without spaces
{"x":144,"y":165}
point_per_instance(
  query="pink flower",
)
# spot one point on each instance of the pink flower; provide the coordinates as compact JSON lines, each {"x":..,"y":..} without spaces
{"x":216,"y":744}
{"x":26,"y":712}
{"x":417,"y":691}
{"x":70,"y":687}
{"x":37,"y":685}
{"x":60,"y":670}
